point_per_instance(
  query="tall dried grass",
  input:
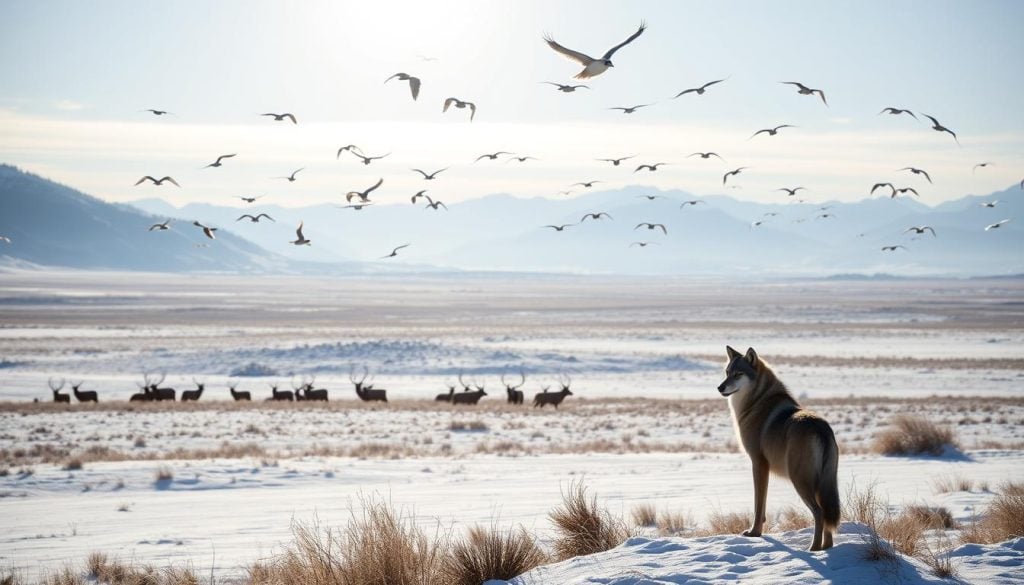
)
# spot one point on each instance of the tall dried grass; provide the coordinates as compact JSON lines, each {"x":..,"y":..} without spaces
{"x":914,"y":435}
{"x":1002,"y":519}
{"x":492,"y":554}
{"x":582,"y":528}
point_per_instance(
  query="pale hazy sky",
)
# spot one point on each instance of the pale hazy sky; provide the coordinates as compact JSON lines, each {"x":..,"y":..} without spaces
{"x":76,"y":75}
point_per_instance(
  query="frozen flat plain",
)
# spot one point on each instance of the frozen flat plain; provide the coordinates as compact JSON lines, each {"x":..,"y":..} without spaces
{"x":859,"y":351}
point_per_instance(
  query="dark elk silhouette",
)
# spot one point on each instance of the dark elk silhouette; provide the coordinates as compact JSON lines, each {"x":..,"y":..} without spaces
{"x":191,"y":395}
{"x":365,"y":391}
{"x":307,"y":390}
{"x":468,"y":396}
{"x":238,"y":394}
{"x":544,"y":398}
{"x":156,"y":391}
{"x":84,"y":395}
{"x":446,"y":396}
{"x":515,"y":395}
{"x":57,"y":396}
{"x":279,"y":395}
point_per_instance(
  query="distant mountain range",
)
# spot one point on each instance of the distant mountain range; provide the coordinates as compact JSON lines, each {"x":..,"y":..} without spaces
{"x":50,"y":224}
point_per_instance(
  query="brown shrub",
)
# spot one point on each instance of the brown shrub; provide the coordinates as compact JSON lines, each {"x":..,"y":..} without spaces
{"x":914,"y":435}
{"x":937,"y":518}
{"x":582,"y":528}
{"x":952,"y":483}
{"x":492,"y":554}
{"x":673,"y":523}
{"x":1002,"y":519}
{"x":645,"y":514}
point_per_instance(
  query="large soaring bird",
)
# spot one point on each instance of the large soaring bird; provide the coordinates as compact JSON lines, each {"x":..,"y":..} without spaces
{"x":593,"y":67}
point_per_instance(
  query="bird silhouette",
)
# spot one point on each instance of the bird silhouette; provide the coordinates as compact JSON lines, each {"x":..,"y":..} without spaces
{"x":877,"y":186}
{"x":593,"y":67}
{"x":706,"y":155}
{"x":699,"y":90}
{"x":919,"y":230}
{"x":804,"y":90}
{"x":460,"y":105}
{"x":161,"y":226}
{"x":282,"y":117}
{"x":394,"y":252}
{"x":251,"y":199}
{"x":586,"y":184}
{"x":350,"y":147}
{"x":414,"y":83}
{"x":254,"y":218}
{"x":650,"y":168}
{"x":430,"y":176}
{"x":217,"y":162}
{"x":917,"y":171}
{"x":300,"y":240}
{"x":566,"y":88}
{"x":791,"y":192}
{"x":893,"y":248}
{"x":896,"y":112}
{"x":616,"y":161}
{"x":364,"y":196}
{"x":771,"y":131}
{"x":996,"y":225}
{"x":207,"y":230}
{"x":691,"y":202}
{"x":492,"y":156}
{"x":560,"y":228}
{"x":630,"y":109}
{"x":940,"y":128}
{"x":291,"y":178}
{"x":981,"y":166}
{"x":157,"y":182}
{"x":595,"y":216}
{"x":732,"y":173}
{"x":652,"y":226}
{"x":368,"y":159}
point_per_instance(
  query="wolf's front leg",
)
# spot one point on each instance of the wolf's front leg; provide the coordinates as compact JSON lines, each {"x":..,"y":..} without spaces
{"x":760,"y":496}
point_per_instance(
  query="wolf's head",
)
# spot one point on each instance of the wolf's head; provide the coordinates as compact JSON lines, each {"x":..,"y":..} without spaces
{"x":740,"y":371}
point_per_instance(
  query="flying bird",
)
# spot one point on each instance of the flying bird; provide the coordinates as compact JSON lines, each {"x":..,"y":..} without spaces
{"x":804,"y":90}
{"x":896,"y":112}
{"x":940,"y":128}
{"x":254,"y":218}
{"x":919,"y":230}
{"x":826,"y":216}
{"x":996,"y":225}
{"x":351,"y":147}
{"x":699,"y":90}
{"x":430,"y":176}
{"x":217,"y":162}
{"x":989,"y":203}
{"x":791,"y":192}
{"x":364,"y":196}
{"x":5,"y":239}
{"x":281,"y":117}
{"x":593,"y":67}
{"x":251,"y":199}
{"x":460,"y":105}
{"x":291,"y":177}
{"x":917,"y":171}
{"x":159,"y":112}
{"x":520,"y":158}
{"x":419,"y":194}
{"x":161,"y":226}
{"x":595,"y":216}
{"x":706,"y":155}
{"x":755,"y":224}
{"x":644,"y":244}
{"x":414,"y":83}
{"x":771,"y":131}
{"x":690,"y":202}
{"x":300,"y":240}
{"x":651,"y":168}
{"x":893,"y":248}
{"x":650,"y":197}
{"x":630,"y":109}
{"x":981,"y":166}
{"x":880,"y":185}
{"x":566,"y":88}
{"x":207,"y":230}
{"x":434,"y":204}
{"x":586,"y":184}
{"x":368,"y":159}
{"x":652,"y":226}
{"x":356,"y":206}
{"x":732,"y":173}
{"x":395,"y":251}
{"x":492,"y":156}
{"x":615,"y":161}
{"x":158,"y":182}
{"x":559,"y":228}
{"x":904,"y":190}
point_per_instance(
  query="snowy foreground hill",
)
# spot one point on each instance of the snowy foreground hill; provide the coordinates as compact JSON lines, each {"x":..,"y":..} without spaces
{"x":775,"y":559}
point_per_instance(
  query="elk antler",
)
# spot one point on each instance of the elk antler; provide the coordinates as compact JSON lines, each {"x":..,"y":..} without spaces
{"x":522,"y":377}
{"x":57,"y":389}
{"x":163,"y":375}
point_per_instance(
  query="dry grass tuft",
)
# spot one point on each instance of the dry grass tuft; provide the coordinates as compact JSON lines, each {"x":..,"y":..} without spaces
{"x":674,"y":523}
{"x":74,"y":464}
{"x":792,"y":518}
{"x":645,"y":515}
{"x":914,"y":435}
{"x":1003,"y":517}
{"x":164,"y":474}
{"x":378,"y":547}
{"x":63,"y":577}
{"x":933,"y":518}
{"x":582,"y":528}
{"x":727,"y":523}
{"x":952,"y":483}
{"x":492,"y":554}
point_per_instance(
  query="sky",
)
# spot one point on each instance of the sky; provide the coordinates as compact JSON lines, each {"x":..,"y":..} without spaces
{"x":77,"y":75}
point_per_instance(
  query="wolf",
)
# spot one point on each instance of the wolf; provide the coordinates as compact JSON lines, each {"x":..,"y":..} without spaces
{"x":782,"y":438}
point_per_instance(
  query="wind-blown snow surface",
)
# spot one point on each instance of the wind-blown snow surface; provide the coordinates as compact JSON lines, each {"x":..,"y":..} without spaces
{"x":771,"y":560}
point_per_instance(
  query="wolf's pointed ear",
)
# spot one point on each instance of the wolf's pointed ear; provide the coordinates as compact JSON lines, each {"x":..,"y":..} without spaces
{"x":751,"y":356}
{"x":732,"y":353}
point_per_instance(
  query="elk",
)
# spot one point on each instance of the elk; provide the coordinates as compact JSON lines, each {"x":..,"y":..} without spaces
{"x":446,"y":396}
{"x":515,"y":395}
{"x":237,"y":394}
{"x":187,"y":395}
{"x":84,"y":395}
{"x":467,"y":396}
{"x":57,"y":396}
{"x":144,"y":396}
{"x":276,"y":394}
{"x":308,"y":390}
{"x":157,"y":392}
{"x":367,"y":393}
{"x":544,"y":398}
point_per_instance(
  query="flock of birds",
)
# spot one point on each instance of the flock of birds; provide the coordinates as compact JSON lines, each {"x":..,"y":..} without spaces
{"x":592,"y":67}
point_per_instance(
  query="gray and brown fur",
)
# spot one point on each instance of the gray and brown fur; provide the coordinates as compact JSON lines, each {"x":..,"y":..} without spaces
{"x":782,"y":438}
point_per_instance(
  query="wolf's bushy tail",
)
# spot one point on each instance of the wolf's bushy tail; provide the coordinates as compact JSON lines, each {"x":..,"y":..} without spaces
{"x":828,"y":486}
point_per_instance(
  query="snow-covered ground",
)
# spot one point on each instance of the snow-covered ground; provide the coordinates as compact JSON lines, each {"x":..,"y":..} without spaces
{"x":859,"y":352}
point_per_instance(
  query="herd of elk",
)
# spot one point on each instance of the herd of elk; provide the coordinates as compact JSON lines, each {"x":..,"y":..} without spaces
{"x":365,"y":391}
{"x":307,"y":391}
